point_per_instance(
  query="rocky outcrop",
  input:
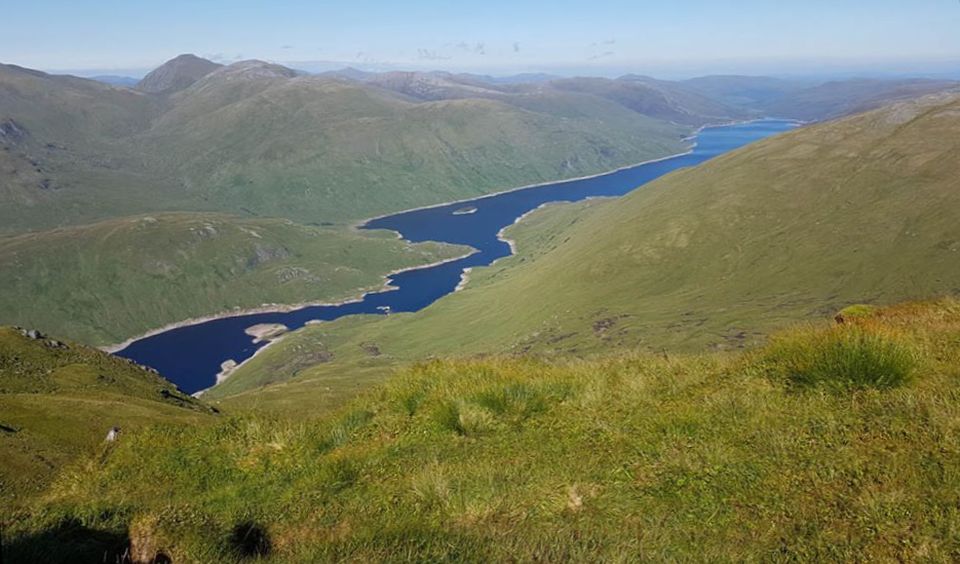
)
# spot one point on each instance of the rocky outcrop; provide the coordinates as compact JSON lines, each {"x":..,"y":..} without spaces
{"x":12,"y":133}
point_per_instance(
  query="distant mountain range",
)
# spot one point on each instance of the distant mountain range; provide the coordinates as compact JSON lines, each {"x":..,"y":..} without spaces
{"x":254,"y":137}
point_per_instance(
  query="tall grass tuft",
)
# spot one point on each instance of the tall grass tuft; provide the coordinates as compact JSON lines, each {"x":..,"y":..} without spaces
{"x":842,"y":358}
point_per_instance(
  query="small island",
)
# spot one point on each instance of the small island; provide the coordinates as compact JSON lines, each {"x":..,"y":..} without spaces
{"x":266,"y":331}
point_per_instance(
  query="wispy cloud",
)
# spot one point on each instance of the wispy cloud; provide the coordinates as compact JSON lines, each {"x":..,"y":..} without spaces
{"x":431,"y":55}
{"x":603,"y":55}
{"x":478,"y":48}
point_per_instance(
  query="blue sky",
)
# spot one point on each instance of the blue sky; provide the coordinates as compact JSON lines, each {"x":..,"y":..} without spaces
{"x":500,"y":36}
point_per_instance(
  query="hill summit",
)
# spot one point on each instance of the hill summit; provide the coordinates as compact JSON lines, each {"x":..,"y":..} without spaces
{"x":176,"y":74}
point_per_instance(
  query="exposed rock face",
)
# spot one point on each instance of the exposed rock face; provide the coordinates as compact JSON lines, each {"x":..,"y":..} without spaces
{"x":12,"y":133}
{"x":176,"y":74}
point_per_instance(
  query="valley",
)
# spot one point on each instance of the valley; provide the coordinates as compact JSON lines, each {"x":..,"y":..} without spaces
{"x":713,"y":257}
{"x":259,"y":142}
{"x":306,"y":312}
{"x":208,"y":345}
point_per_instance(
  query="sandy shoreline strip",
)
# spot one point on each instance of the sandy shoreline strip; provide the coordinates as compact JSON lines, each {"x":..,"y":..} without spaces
{"x":229,"y":366}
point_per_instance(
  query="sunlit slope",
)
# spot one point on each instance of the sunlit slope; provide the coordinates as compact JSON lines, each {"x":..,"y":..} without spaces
{"x":109,"y":281}
{"x":58,"y":400}
{"x":319,"y":149}
{"x":834,"y":443}
{"x":797,"y":226}
{"x":255,"y":138}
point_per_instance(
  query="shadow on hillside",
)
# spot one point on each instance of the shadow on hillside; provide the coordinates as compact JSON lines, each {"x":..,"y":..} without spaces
{"x":250,"y":540}
{"x":70,"y":542}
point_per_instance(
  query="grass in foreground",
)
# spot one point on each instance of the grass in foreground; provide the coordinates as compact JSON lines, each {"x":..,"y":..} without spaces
{"x":709,"y":457}
{"x":58,"y":400}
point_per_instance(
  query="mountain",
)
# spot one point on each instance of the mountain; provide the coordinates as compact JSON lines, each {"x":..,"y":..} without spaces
{"x":656,"y":99}
{"x":59,"y":399}
{"x":755,"y":92}
{"x":253,"y":137}
{"x":348,"y":73}
{"x":660,"y":99}
{"x":176,"y":74}
{"x":860,"y":210}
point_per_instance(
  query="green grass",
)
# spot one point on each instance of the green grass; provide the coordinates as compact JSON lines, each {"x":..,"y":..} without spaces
{"x":109,"y":281}
{"x":310,"y":149}
{"x":846,"y":357}
{"x":631,"y":456}
{"x":58,"y":400}
{"x":795,"y":227}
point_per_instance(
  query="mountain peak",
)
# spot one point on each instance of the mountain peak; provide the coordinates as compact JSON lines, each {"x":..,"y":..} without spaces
{"x":176,"y":74}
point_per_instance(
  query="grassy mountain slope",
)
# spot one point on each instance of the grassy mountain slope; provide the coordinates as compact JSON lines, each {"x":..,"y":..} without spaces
{"x":710,"y":457}
{"x":858,"y":210}
{"x":261,"y":139}
{"x":108,"y":281}
{"x":66,"y":162}
{"x":329,"y":150}
{"x":257,"y":138}
{"x":662,"y":100}
{"x":58,"y":400}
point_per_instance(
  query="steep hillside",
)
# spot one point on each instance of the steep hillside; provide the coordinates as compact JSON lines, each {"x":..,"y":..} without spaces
{"x":109,"y":281}
{"x":58,"y":401}
{"x":835,"y":443}
{"x":857,"y":210}
{"x":258,"y":138}
{"x":316,"y":149}
{"x":63,"y":155}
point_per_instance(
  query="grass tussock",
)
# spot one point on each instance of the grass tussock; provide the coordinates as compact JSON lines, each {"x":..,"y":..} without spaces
{"x":631,"y":457}
{"x":841,"y":358}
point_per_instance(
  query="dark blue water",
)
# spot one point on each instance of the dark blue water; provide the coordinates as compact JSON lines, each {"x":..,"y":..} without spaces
{"x":191,"y":356}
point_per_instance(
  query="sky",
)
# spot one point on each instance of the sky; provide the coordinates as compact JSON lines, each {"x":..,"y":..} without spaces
{"x":603,"y":37}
